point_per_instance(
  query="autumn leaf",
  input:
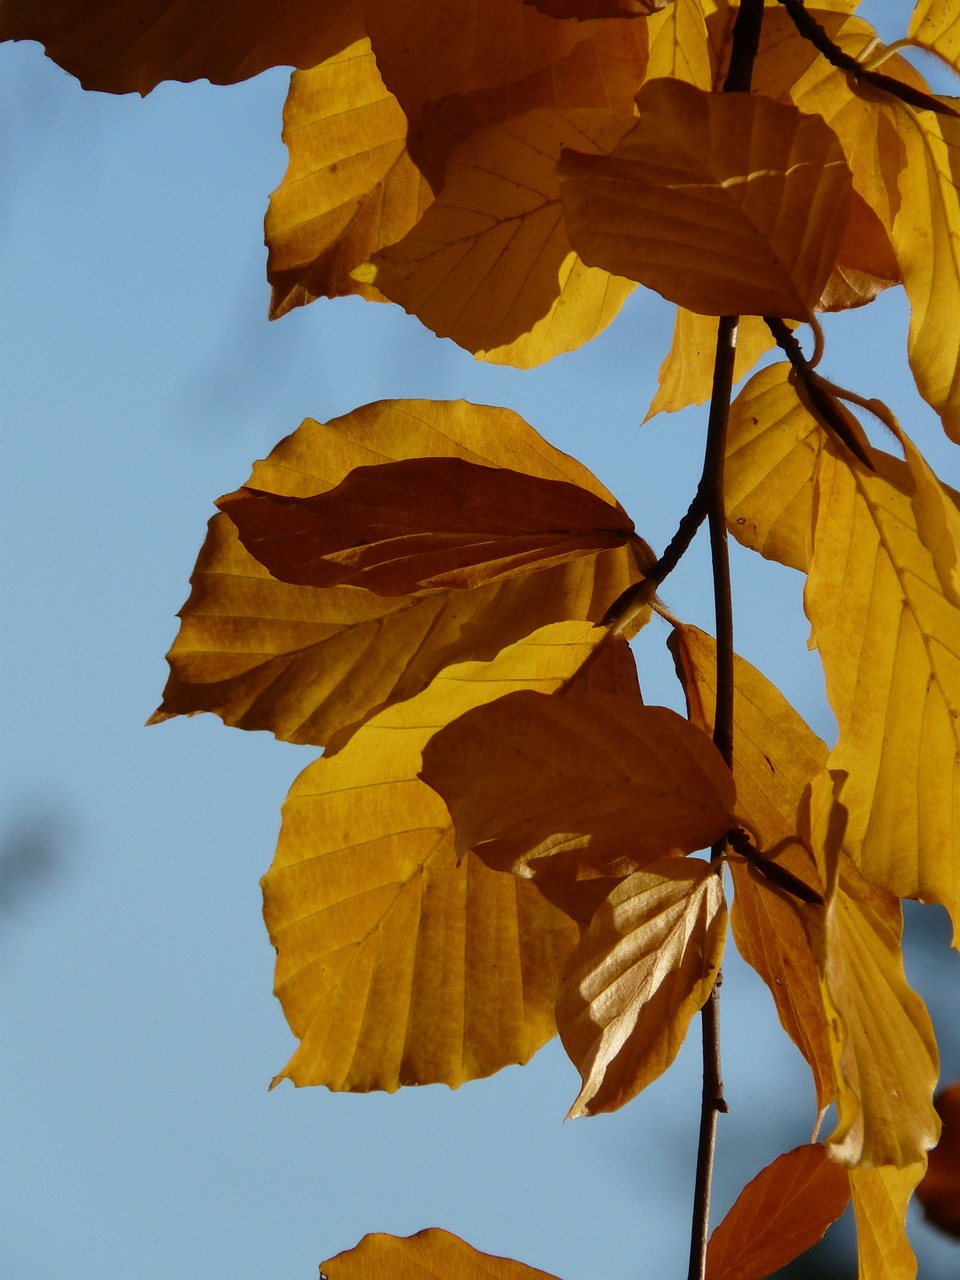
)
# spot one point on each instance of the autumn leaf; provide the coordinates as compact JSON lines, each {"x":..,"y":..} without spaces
{"x":311,"y":665}
{"x":424,"y":524}
{"x":679,"y":45}
{"x":889,"y":640}
{"x":775,"y":755}
{"x":723,"y":203}
{"x":125,"y":46}
{"x":400,"y":961}
{"x":584,"y":785}
{"x":935,"y":25}
{"x":645,"y":965}
{"x":489,"y":264}
{"x":429,"y":1255}
{"x":780,"y":1214}
{"x":939,"y":1192}
{"x":350,"y":186}
{"x":586,"y":9}
{"x":880,"y":1198}
{"x":686,"y":375}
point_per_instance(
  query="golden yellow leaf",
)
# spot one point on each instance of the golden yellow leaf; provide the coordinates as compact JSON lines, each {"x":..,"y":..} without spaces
{"x":350,"y":186}
{"x":775,"y":755}
{"x":428,"y":48}
{"x":579,"y":786}
{"x":308,"y":665}
{"x":935,"y":25}
{"x":489,"y":264}
{"x":124,"y":46}
{"x":399,"y":961}
{"x":425,"y":524}
{"x":723,"y":203}
{"x":779,"y":1215}
{"x":429,"y":1255}
{"x":645,"y":965}
{"x":889,"y":639}
{"x":773,"y":443}
{"x":679,"y":45}
{"x":880,"y":1199}
{"x":686,"y":375}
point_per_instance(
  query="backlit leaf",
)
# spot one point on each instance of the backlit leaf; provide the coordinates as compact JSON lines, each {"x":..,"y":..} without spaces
{"x":579,"y":786}
{"x":939,"y":1192}
{"x":935,"y":25}
{"x":679,"y":46}
{"x":779,"y":1215}
{"x":429,"y":1255}
{"x":890,"y":643}
{"x":398,"y":961}
{"x":645,"y":965}
{"x":489,"y":264}
{"x":686,"y":375}
{"x":880,"y":1199}
{"x":723,"y":203}
{"x":350,"y":186}
{"x":424,"y":524}
{"x":123,"y":46}
{"x":307,"y":664}
{"x":775,"y":754}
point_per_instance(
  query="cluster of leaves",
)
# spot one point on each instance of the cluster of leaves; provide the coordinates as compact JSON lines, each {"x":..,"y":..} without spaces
{"x":496,"y":842}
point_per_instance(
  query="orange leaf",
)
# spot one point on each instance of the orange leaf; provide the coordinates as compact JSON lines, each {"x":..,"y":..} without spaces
{"x":723,"y":203}
{"x":429,"y":1255}
{"x":779,"y":1215}
{"x":645,"y":965}
{"x":122,"y":46}
{"x":939,"y":1192}
{"x":424,"y":524}
{"x":583,"y":785}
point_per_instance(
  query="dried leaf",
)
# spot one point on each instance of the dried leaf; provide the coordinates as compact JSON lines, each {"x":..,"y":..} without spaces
{"x":424,"y":524}
{"x":398,"y":961}
{"x":723,"y":203}
{"x":939,"y":1192}
{"x":779,"y":1215}
{"x":312,"y":665}
{"x":429,"y":1255}
{"x":350,"y":186}
{"x":645,"y":965}
{"x":489,"y":264}
{"x":580,"y":786}
{"x":124,"y":46}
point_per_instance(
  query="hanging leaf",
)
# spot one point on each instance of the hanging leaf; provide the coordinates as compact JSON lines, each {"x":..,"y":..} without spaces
{"x":398,"y":960}
{"x":935,"y":25}
{"x":429,"y":1255}
{"x":939,"y":1192}
{"x":645,"y":965}
{"x":686,"y":375}
{"x":124,"y":46}
{"x":880,"y":1199}
{"x":723,"y":203}
{"x":779,"y":1215}
{"x":310,"y":665}
{"x":350,"y":186}
{"x":489,"y":264}
{"x":424,"y":524}
{"x":580,"y":786}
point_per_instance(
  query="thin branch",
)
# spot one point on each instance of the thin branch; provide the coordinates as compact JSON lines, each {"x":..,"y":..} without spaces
{"x":811,"y":30}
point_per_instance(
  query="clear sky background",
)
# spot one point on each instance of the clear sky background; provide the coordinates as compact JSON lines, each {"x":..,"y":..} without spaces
{"x":139,"y":378}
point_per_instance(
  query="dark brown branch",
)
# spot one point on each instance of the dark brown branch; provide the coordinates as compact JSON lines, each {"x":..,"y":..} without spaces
{"x":811,"y":30}
{"x":740,"y":842}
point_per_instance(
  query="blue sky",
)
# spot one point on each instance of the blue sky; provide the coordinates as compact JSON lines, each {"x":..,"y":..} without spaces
{"x":140,"y":378}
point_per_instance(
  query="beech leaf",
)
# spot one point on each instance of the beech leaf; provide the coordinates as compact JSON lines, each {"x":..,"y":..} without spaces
{"x":935,"y":25}
{"x":124,"y":46}
{"x":311,"y":665}
{"x":723,"y":203}
{"x":779,"y":1215}
{"x":424,"y":524}
{"x":429,"y":1255}
{"x":880,"y":1199}
{"x":686,"y":375}
{"x":400,"y":961}
{"x":584,"y":785}
{"x":645,"y":965}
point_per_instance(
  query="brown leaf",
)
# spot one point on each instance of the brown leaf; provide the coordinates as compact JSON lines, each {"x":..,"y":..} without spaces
{"x":779,"y":1215}
{"x":124,"y":46}
{"x":939,"y":1192}
{"x":424,"y":524}
{"x":312,"y":665}
{"x":584,"y":785}
{"x":428,"y":1255}
{"x":645,"y":965}
{"x":723,"y":203}
{"x":583,"y":10}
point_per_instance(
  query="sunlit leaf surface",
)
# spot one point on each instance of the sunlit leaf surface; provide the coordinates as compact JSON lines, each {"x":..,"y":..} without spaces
{"x":686,"y":375}
{"x":880,"y":1199}
{"x":429,"y":1255}
{"x":935,"y":25}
